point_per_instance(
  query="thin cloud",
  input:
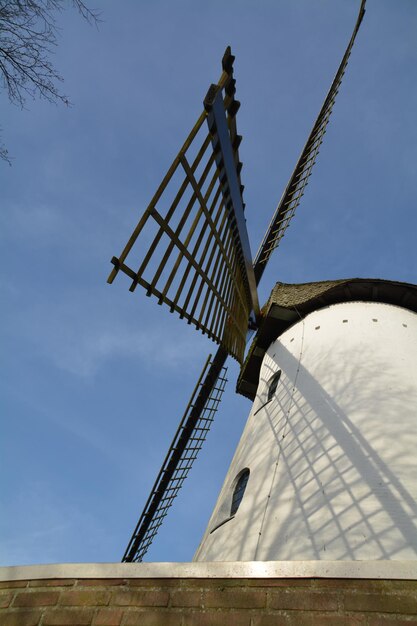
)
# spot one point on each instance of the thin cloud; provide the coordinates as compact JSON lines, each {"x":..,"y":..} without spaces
{"x":84,"y":356}
{"x":77,"y":333}
{"x":41,"y":537}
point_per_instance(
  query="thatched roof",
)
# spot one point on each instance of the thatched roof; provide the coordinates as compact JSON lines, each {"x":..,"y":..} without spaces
{"x":288,"y":303}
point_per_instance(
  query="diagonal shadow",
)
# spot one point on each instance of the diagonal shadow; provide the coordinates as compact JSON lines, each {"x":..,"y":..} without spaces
{"x":327,"y":458}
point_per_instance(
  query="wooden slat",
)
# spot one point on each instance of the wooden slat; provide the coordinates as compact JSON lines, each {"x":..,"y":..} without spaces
{"x":195,"y":263}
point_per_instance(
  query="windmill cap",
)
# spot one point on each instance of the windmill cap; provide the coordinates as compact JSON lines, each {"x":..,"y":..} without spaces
{"x":290,"y":302}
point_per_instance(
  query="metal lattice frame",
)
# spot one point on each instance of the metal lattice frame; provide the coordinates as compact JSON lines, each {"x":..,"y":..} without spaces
{"x":299,"y":179}
{"x":182,"y":453}
{"x":196,"y":262}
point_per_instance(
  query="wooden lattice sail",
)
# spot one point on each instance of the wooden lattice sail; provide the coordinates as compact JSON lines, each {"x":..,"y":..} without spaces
{"x":191,"y":241}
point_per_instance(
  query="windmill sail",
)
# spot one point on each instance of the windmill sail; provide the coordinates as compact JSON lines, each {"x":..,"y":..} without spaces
{"x":198,"y":261}
{"x":187,"y":442}
{"x":233,"y":296}
{"x":295,"y":189}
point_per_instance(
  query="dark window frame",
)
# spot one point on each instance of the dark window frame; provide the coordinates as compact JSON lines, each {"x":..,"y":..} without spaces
{"x":272,"y":387}
{"x":273,"y":384}
{"x":241,"y":482}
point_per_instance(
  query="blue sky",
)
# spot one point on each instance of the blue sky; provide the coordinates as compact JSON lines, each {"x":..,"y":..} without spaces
{"x":95,"y":379}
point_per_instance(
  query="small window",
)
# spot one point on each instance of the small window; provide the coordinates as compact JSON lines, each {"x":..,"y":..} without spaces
{"x":239,"y":490}
{"x":273,"y":384}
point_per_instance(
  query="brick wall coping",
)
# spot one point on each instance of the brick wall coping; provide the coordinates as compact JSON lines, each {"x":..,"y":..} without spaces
{"x":394,"y":570}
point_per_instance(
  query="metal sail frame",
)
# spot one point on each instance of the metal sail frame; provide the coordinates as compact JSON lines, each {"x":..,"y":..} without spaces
{"x":183,"y":451}
{"x":299,"y":179}
{"x":170,"y":477}
{"x":199,"y":262}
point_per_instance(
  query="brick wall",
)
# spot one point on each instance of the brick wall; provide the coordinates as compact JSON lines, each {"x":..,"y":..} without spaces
{"x":208,"y":602}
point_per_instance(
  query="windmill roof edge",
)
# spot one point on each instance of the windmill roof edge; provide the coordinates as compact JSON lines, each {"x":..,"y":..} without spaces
{"x":289,"y":302}
{"x":289,"y":295}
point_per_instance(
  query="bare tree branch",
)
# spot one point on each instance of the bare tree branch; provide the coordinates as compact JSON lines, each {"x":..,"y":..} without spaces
{"x":28,"y":36}
{"x":4,"y":154}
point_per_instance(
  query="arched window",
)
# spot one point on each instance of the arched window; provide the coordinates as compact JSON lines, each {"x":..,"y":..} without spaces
{"x":239,"y":490}
{"x":273,"y":384}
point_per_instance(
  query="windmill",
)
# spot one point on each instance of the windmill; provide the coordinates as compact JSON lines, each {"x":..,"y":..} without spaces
{"x":196,"y":259}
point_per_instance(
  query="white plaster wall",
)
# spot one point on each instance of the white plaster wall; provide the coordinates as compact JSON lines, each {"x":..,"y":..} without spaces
{"x":333,"y":456}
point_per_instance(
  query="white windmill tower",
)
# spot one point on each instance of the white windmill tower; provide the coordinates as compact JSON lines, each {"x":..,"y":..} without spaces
{"x":324,"y":466}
